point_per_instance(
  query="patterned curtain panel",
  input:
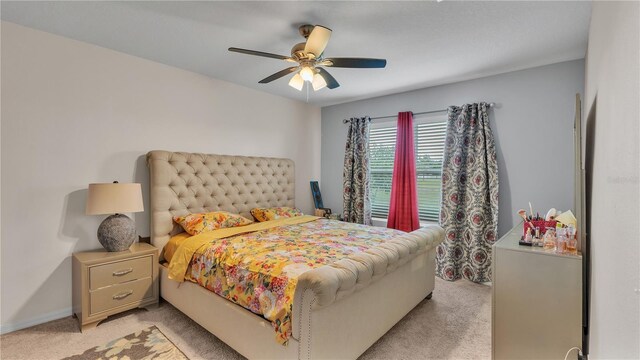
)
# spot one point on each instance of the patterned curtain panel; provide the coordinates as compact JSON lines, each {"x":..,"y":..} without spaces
{"x":469,"y":213}
{"x":355,"y":174}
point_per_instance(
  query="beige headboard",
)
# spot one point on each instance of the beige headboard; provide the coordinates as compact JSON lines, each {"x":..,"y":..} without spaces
{"x":182,"y":183}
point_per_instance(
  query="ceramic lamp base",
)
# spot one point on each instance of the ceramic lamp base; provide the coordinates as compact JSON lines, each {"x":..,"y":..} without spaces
{"x":117,"y":233}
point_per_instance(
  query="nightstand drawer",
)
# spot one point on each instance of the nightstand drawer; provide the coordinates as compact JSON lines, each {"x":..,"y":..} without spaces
{"x":119,"y":272}
{"x":119,"y":295}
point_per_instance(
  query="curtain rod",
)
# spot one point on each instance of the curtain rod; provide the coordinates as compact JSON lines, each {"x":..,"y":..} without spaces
{"x":344,"y":121}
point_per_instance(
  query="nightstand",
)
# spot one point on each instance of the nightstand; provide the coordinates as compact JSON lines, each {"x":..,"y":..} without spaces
{"x":106,"y":283}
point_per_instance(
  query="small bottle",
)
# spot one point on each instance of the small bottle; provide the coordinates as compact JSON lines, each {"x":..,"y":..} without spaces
{"x":561,"y":241}
{"x":572,"y":241}
{"x":537,"y":241}
{"x":527,"y":237}
{"x":549,"y":240}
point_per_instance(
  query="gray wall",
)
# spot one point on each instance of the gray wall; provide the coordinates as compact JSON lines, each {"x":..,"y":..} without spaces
{"x":532,"y":124}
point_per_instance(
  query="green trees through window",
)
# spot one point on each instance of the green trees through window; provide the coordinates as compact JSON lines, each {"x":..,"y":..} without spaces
{"x":429,"y":136}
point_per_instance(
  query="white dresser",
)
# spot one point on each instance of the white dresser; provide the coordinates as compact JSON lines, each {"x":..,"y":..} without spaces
{"x":537,"y":301}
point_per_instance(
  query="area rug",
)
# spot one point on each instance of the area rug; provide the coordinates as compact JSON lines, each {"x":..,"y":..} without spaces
{"x":149,"y":343}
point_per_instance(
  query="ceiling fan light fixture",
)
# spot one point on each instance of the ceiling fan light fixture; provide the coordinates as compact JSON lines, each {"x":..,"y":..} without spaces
{"x":309,"y":58}
{"x":306,"y":73}
{"x":296,"y":82}
{"x":318,"y":82}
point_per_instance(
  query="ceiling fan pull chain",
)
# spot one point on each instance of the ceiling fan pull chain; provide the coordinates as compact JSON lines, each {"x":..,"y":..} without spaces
{"x":307,"y":85}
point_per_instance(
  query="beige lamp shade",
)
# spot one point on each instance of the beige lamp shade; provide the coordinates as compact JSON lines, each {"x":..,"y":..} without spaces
{"x":112,"y":198}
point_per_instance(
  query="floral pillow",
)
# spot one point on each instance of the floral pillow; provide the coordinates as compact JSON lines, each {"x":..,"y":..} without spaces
{"x":195,"y":224}
{"x":266,"y":214}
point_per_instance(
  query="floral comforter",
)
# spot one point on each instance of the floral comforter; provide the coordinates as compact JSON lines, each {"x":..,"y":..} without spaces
{"x":259,"y":270}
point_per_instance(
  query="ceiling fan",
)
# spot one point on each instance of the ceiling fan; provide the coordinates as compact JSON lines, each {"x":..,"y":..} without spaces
{"x":309,"y":58}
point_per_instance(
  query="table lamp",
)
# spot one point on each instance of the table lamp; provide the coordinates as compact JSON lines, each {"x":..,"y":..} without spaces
{"x":117,"y":232}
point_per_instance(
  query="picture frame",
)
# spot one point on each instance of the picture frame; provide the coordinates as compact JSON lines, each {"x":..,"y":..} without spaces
{"x":317,"y":196}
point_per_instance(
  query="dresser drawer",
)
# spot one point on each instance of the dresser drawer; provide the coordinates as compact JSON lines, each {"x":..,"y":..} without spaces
{"x":119,"y":295}
{"x":119,"y":272}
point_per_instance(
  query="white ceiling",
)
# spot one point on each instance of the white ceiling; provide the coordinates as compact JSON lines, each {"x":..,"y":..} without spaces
{"x":425,"y":43}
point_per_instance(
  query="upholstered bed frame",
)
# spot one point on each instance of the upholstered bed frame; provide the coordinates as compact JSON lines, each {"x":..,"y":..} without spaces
{"x":338,"y":310}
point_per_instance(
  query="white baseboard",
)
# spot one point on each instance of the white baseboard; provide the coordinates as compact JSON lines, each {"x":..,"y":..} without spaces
{"x":54,"y":315}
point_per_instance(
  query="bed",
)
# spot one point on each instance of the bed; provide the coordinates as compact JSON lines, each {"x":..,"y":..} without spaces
{"x":338,"y":310}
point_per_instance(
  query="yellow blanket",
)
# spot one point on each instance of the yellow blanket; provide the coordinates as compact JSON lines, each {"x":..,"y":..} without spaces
{"x":183,"y":255}
{"x":257,"y":266}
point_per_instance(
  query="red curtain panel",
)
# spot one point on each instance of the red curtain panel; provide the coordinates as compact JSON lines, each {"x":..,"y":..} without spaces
{"x":403,"y":209}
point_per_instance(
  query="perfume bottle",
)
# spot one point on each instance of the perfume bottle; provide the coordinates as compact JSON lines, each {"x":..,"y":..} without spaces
{"x":549,"y":239}
{"x":572,"y":241}
{"x":537,"y":239}
{"x":527,"y":237}
{"x":561,"y":241}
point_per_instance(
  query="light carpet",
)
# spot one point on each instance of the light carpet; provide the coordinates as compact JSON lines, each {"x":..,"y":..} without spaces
{"x":454,"y":324}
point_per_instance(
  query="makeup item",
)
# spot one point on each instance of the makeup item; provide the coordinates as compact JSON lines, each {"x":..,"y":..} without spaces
{"x":561,"y":241}
{"x":549,"y":239}
{"x":528,"y":238}
{"x":530,"y":209}
{"x":572,"y":241}
{"x":537,"y":239}
{"x":523,"y":215}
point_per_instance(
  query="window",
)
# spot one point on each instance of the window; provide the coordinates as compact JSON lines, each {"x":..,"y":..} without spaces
{"x":429,"y":135}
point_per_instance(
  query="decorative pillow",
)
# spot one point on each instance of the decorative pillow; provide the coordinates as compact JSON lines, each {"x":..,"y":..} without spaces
{"x":195,"y":224}
{"x":266,"y":214}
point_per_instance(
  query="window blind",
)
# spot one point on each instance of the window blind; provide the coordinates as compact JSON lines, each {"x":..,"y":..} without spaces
{"x":429,"y":139}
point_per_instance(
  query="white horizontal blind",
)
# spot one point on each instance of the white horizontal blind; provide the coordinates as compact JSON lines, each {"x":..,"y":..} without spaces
{"x":429,"y":136}
{"x":382,"y":148}
{"x":429,"y":142}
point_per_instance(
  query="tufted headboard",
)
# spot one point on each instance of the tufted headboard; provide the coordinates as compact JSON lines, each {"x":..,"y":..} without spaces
{"x":182,"y":183}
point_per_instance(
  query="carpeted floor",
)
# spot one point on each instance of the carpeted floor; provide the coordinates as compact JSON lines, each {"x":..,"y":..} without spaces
{"x":454,"y":324}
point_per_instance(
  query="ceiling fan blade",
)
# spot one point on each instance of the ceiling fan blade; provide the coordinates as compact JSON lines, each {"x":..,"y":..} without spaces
{"x":259,"y":53}
{"x":278,"y":75}
{"x":332,"y":83}
{"x":317,"y":41}
{"x":355,"y":63}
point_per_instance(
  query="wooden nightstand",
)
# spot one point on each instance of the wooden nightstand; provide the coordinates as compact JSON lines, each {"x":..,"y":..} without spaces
{"x":106,"y":283}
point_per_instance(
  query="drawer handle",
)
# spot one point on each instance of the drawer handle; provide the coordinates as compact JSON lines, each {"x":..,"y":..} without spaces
{"x":122,"y":295}
{"x":122,"y":272}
